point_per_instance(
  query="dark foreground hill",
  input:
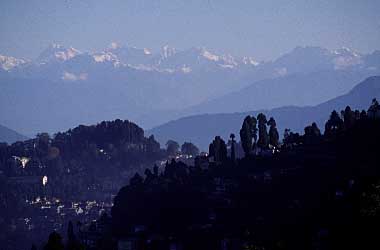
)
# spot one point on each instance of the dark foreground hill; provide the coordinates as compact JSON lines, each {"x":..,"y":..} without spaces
{"x":200,"y":129}
{"x":318,"y":191}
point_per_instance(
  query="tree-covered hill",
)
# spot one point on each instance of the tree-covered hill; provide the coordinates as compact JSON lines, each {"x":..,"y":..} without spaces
{"x":82,"y":158}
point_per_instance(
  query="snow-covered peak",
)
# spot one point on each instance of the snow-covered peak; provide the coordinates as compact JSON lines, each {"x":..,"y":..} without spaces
{"x":67,"y":54}
{"x":56,"y":46}
{"x":67,"y":76}
{"x":107,"y":57}
{"x":114,"y":45}
{"x":104,"y":57}
{"x":185,"y":69}
{"x":202,"y":52}
{"x":249,"y":61}
{"x":229,"y":59}
{"x":345,"y":51}
{"x":7,"y":62}
{"x":127,"y":55}
{"x":57,"y":52}
{"x":346,"y":57}
{"x":147,"y":51}
{"x":167,"y":51}
{"x":210,"y":56}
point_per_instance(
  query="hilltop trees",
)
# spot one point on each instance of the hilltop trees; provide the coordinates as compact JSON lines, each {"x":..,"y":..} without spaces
{"x":348,"y":118}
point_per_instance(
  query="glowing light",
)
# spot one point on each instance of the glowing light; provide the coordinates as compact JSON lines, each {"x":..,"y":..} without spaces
{"x":79,"y":211}
{"x":22,"y":160}
{"x":44,"y":180}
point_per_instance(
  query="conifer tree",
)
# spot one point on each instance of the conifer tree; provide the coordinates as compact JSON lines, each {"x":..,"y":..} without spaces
{"x":263,"y":141}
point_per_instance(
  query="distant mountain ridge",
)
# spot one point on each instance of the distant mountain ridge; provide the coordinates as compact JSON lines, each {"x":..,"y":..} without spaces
{"x":10,"y":136}
{"x":65,"y":86}
{"x":200,"y":129}
{"x":296,"y":89}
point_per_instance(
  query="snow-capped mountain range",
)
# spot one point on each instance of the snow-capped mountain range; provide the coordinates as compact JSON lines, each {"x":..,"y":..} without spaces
{"x":168,"y":60}
{"x":150,"y":87}
{"x":8,"y":63}
{"x":172,"y":60}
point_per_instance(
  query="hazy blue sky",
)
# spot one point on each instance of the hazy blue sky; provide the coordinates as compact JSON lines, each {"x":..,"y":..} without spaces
{"x":263,"y":29}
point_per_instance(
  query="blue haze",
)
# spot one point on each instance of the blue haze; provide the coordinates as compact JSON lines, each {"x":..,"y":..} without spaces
{"x":263,"y":29}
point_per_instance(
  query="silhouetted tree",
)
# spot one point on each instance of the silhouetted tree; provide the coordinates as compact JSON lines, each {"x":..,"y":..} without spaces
{"x":248,"y":132}
{"x":291,"y":138}
{"x":54,"y":242}
{"x":273,"y":133}
{"x":70,"y":232}
{"x":218,"y":149}
{"x":152,"y":145}
{"x":357,"y":115}
{"x":189,"y":148}
{"x":43,"y":143}
{"x":312,"y":134}
{"x":363,"y":115}
{"x":172,"y":147}
{"x":263,"y":141}
{"x":136,"y":180}
{"x":287,"y":132}
{"x":334,"y":125}
{"x":72,"y":241}
{"x":349,"y":117}
{"x":233,"y":142}
{"x":155,"y":170}
{"x":148,"y":175}
{"x":374,"y":109}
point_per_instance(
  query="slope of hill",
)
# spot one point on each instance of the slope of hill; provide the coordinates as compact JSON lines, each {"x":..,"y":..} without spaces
{"x":200,"y":129}
{"x":10,"y":136}
{"x":298,"y":89}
